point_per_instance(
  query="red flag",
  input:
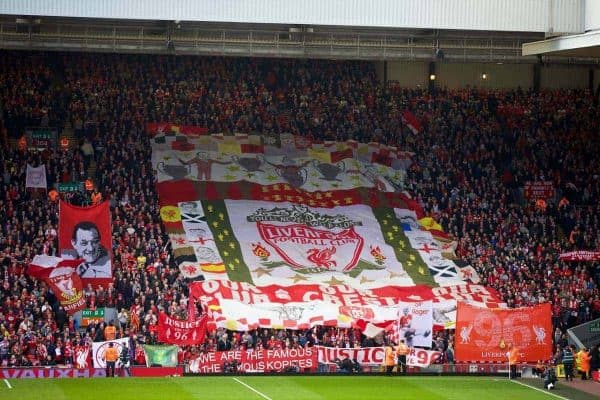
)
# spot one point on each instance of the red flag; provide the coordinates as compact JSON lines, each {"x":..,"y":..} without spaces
{"x":180,"y":332}
{"x":191,"y":130}
{"x":485,"y":334}
{"x":84,"y":233}
{"x":60,"y":275}
{"x":412,"y":122}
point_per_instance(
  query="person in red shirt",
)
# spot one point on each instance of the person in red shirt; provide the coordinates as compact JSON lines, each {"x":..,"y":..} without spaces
{"x":139,"y":356}
{"x":273,"y":343}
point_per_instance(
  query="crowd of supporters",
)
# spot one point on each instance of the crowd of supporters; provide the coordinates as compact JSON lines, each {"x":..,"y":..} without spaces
{"x":474,"y":153}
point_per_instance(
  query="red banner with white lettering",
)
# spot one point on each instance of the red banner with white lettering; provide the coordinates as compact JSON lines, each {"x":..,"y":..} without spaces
{"x":580,"y":255}
{"x":376,"y":355}
{"x":539,"y":190}
{"x":213,"y":290}
{"x":256,"y":361}
{"x":363,"y":355}
{"x":354,"y":306}
{"x":180,"y":332}
{"x":485,"y":335}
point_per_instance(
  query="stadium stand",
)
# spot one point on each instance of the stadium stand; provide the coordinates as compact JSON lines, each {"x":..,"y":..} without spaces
{"x":476,"y":150}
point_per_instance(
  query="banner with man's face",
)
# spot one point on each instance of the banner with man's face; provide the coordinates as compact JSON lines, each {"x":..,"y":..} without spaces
{"x":84,"y":233}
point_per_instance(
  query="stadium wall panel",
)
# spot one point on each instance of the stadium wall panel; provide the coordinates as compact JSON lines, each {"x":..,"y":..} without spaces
{"x":498,"y":76}
{"x":408,"y":74}
{"x":564,"y":77}
{"x":489,"y":15}
{"x":592,"y":15}
{"x":414,"y":74}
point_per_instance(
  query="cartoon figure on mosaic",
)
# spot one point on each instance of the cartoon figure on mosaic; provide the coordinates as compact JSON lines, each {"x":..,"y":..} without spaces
{"x":204,"y":164}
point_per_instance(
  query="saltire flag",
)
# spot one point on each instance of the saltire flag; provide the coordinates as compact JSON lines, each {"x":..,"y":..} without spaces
{"x":164,"y":356}
{"x":411,"y":121}
{"x":485,"y":335}
{"x":64,"y":282}
{"x":85,"y":233}
{"x":36,"y":177}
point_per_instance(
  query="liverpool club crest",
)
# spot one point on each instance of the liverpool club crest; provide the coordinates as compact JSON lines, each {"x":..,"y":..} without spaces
{"x":308,"y":240}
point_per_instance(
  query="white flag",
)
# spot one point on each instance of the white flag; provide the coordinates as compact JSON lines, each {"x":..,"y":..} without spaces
{"x":98,"y":349}
{"x":36,"y":177}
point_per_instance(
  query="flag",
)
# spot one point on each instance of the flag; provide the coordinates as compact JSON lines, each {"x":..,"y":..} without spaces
{"x":422,"y":358}
{"x":164,"y":356}
{"x":261,"y":241}
{"x":84,"y":233}
{"x":411,"y":121}
{"x":64,"y":282}
{"x":36,"y":177}
{"x":414,"y":324}
{"x":81,"y":357}
{"x":314,"y":167}
{"x":368,"y":329}
{"x":485,"y":335}
{"x":429,"y":223}
{"x":99,"y":348}
{"x":134,"y":318}
{"x":247,"y":306}
{"x":580,"y":255}
{"x":296,"y":212}
{"x":181,"y":332}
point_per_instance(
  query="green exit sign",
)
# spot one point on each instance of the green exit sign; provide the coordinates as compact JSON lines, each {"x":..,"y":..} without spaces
{"x":595,"y":327}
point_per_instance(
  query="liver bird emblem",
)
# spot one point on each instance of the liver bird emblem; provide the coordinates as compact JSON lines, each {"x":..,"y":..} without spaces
{"x":322,"y":258}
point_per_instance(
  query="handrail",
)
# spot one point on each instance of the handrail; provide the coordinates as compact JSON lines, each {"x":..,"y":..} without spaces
{"x":333,"y":43}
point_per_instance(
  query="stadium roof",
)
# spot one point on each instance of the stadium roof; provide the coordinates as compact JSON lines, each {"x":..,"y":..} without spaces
{"x":584,"y":45}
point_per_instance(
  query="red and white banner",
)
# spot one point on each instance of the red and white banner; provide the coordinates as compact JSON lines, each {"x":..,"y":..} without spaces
{"x":485,"y":335}
{"x":340,"y":305}
{"x":539,"y":190}
{"x":81,"y":356}
{"x":210,"y":292}
{"x":376,"y":355}
{"x":363,"y":355}
{"x":422,"y":357}
{"x":580,"y":255}
{"x":64,"y":282}
{"x":179,"y":332}
{"x":84,"y":233}
{"x":256,"y":361}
